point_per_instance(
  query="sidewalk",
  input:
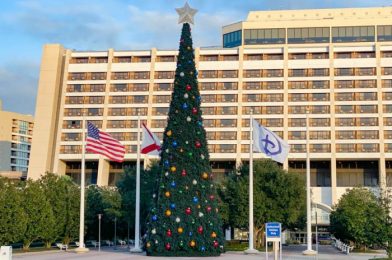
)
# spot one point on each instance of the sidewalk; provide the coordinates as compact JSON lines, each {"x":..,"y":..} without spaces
{"x":289,"y":253}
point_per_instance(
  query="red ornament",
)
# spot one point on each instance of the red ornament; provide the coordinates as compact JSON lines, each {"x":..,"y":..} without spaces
{"x":200,"y":230}
{"x":215,"y":243}
{"x":183,"y":173}
{"x":212,"y":197}
{"x":169,"y":233}
{"x":168,"y":246}
{"x":197,"y":144}
{"x":194,"y":111}
{"x":188,"y":87}
{"x":188,"y":211}
{"x":209,"y":208}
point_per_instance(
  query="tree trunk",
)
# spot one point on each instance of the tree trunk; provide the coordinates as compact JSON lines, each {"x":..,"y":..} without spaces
{"x":26,"y":244}
{"x":48,"y":244}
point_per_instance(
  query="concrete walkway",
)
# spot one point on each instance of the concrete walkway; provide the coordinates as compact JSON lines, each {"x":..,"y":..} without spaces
{"x":289,"y":253}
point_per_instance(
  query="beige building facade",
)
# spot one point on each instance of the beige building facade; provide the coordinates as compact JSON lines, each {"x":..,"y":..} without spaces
{"x":335,"y":64}
{"x":16,"y":131}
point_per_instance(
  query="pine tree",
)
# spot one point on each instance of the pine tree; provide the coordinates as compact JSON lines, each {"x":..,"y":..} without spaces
{"x":185,"y":220}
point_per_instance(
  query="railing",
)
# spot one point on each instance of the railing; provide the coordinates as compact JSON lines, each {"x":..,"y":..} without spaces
{"x":342,"y":246}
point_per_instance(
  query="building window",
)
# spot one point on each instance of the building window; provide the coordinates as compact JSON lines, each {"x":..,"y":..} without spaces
{"x":97,"y":88}
{"x":308,"y":35}
{"x":208,"y":74}
{"x":264,"y":36}
{"x":120,"y":75}
{"x":163,"y":87}
{"x":119,"y":87}
{"x":384,"y":33}
{"x":232,"y":39}
{"x":164,"y":75}
{"x":353,"y":34}
{"x":160,"y":111}
{"x":98,"y":75}
{"x":297,"y":122}
{"x":165,"y":59}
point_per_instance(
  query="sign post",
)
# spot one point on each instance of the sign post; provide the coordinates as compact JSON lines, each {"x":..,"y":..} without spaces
{"x":273,"y":233}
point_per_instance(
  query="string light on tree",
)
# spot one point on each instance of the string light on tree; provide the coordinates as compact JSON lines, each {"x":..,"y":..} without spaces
{"x":185,"y":222}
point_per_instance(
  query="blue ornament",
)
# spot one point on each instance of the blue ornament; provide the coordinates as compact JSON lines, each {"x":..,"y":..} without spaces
{"x":154,"y":218}
{"x":167,"y":163}
{"x":185,"y":106}
{"x":196,"y":73}
{"x":172,"y":206}
{"x":198,"y":98}
{"x":200,"y":123}
{"x":203,"y":248}
{"x":173,"y":184}
{"x":190,"y":233}
{"x":195,"y":200}
{"x":174,"y":144}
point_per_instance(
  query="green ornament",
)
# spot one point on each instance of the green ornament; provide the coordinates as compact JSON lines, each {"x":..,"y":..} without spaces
{"x":203,"y":186}
{"x":180,"y":191}
{"x":190,"y":154}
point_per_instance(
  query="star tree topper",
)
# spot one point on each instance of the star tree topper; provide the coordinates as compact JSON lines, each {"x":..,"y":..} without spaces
{"x":186,"y":14}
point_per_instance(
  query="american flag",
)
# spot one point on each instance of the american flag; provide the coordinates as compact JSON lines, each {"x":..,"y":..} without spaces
{"x":102,"y":143}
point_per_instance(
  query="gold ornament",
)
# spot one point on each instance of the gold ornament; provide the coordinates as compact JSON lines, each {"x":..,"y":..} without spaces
{"x":192,"y":243}
{"x":167,"y":194}
{"x":204,"y":175}
{"x":169,"y":133}
{"x":213,"y":235}
{"x":173,"y":168}
{"x":148,"y":244}
{"x":180,"y":230}
{"x":168,"y":213}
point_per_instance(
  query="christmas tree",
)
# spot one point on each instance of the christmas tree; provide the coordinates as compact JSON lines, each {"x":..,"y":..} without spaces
{"x":185,"y":220}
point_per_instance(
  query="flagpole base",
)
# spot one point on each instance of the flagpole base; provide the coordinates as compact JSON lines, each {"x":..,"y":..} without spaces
{"x":309,"y":252}
{"x":136,"y":250}
{"x":81,"y":250}
{"x":251,"y":251}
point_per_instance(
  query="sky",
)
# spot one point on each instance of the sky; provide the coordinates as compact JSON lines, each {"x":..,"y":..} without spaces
{"x":26,"y":25}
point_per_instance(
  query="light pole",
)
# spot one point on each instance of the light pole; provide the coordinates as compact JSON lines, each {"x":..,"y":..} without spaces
{"x":309,"y":250}
{"x":99,"y":232}
{"x":128,"y":234}
{"x":115,"y":233}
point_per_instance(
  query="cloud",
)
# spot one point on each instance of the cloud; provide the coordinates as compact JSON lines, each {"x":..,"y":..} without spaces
{"x":73,"y":25}
{"x":18,"y":81}
{"x":161,"y":29}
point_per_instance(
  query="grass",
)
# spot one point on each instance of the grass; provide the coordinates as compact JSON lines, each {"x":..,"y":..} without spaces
{"x":235,"y":245}
{"x":33,"y":249}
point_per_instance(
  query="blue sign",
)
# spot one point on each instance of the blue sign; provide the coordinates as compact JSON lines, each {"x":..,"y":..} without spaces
{"x":273,"y":229}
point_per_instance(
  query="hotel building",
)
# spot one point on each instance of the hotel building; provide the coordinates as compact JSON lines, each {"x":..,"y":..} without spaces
{"x":16,"y":131}
{"x":334,"y":64}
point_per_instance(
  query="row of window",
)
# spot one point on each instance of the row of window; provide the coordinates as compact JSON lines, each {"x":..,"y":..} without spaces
{"x":20,"y":154}
{"x":308,"y":35}
{"x":233,"y":73}
{"x":235,"y":57}
{"x":269,"y":122}
{"x":248,"y":85}
{"x":347,"y":134}
{"x":317,"y":109}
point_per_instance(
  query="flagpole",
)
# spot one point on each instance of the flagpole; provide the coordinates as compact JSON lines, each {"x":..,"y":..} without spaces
{"x":308,"y":250}
{"x":251,"y":249}
{"x":137,"y":248}
{"x":82,"y":248}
